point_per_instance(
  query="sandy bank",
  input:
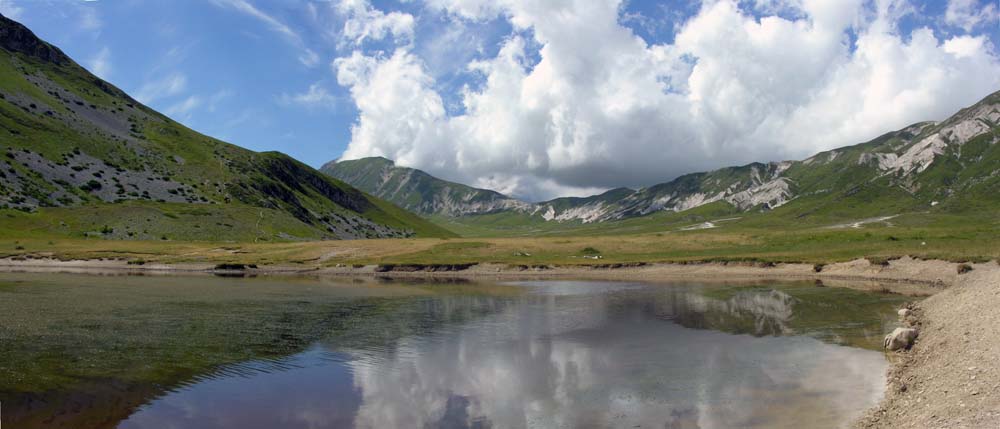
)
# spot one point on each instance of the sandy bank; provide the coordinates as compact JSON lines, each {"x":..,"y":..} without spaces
{"x":951,"y":376}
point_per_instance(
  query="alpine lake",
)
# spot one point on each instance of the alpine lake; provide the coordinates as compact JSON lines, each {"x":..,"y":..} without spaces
{"x":144,"y":351}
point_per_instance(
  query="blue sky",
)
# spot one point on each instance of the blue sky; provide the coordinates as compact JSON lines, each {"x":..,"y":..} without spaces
{"x":497,"y":94}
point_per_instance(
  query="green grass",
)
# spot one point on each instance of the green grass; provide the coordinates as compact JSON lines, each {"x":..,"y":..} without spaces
{"x":763,"y":238}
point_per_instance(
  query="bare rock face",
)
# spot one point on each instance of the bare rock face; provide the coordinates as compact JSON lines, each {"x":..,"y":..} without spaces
{"x":15,"y":37}
{"x":900,"y":338}
{"x":903,"y":312}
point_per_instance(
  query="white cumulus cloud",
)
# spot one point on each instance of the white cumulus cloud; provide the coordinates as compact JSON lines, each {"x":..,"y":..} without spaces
{"x":574,"y":101}
{"x":364,"y":22}
{"x":970,"y":14}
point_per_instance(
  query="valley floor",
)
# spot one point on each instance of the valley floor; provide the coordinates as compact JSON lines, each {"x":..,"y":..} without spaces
{"x":953,"y":240}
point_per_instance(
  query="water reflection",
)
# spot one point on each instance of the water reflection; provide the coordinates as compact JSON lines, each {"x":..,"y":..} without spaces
{"x":566,"y":354}
{"x":751,"y":312}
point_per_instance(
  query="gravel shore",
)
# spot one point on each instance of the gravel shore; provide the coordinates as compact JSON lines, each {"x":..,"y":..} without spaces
{"x":950,"y":378}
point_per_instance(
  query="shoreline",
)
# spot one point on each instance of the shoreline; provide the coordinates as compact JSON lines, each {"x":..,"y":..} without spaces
{"x":935,"y":274}
{"x":949,"y":378}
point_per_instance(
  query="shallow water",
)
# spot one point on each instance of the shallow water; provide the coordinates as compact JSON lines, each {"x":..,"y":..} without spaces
{"x":205,"y":352}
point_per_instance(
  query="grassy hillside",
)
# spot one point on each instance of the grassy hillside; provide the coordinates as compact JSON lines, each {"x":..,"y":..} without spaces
{"x":416,"y":190}
{"x":74,"y":146}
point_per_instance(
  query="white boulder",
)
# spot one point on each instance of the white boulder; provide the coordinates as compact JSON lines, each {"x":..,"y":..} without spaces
{"x":900,"y":338}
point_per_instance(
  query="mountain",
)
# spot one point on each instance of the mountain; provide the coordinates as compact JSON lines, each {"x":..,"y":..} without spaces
{"x":418,"y":191}
{"x":81,"y":156}
{"x":954,"y":163}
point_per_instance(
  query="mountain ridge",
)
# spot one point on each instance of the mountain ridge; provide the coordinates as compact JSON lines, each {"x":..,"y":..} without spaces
{"x":927,"y":161}
{"x":418,"y":191}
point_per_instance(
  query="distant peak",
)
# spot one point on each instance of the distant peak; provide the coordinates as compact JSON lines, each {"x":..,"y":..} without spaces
{"x":618,"y":190}
{"x":15,"y":37}
{"x":367,"y":160}
{"x":380,"y":159}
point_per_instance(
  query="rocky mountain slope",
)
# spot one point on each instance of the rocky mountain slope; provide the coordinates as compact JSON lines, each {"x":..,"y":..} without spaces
{"x":72,"y":142}
{"x":418,"y":191}
{"x":955,"y":163}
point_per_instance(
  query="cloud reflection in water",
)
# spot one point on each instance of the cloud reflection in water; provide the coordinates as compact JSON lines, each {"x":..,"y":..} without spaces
{"x":620,"y":358}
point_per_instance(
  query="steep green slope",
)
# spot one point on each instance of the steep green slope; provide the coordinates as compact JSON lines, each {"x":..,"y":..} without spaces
{"x":418,"y":191}
{"x":72,"y":142}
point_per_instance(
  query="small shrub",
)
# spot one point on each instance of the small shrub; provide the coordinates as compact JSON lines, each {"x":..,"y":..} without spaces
{"x":107,"y":230}
{"x":964,"y":268}
{"x":137,"y":262}
{"x":818,"y":268}
{"x":230,"y":266}
{"x":91,"y":185}
{"x":590,"y":251}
